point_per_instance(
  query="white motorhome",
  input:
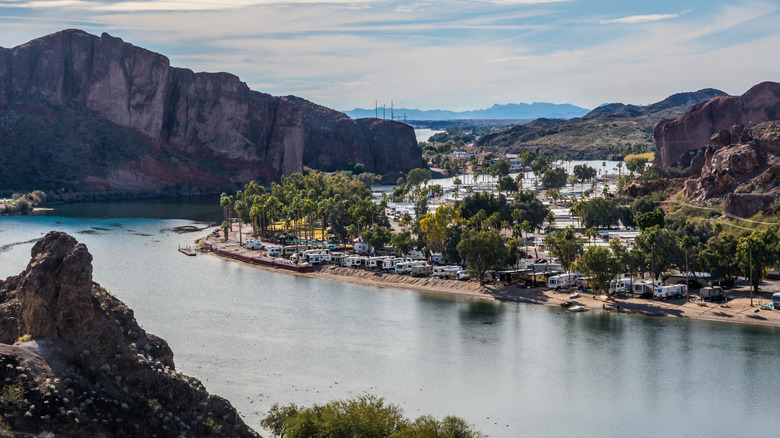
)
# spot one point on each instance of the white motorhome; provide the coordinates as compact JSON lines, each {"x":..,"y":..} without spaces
{"x":422,"y":270}
{"x":274,"y":250}
{"x":437,"y":258}
{"x":355,"y":261}
{"x":446,"y":271}
{"x":255,"y":244}
{"x":406,"y":267}
{"x":316,"y":259}
{"x":563,"y":281}
{"x":389,"y":263}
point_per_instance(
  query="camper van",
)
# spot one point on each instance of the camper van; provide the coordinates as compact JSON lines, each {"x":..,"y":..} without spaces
{"x":563,"y":281}
{"x":274,"y":250}
{"x":255,"y":244}
{"x":422,"y":270}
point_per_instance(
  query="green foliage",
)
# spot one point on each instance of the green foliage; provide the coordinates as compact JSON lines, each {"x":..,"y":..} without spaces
{"x":528,"y":208}
{"x":212,"y":426}
{"x":658,"y":246}
{"x":415,"y":177}
{"x":554,"y":178}
{"x":651,"y":173}
{"x":402,"y":242}
{"x":598,"y":263}
{"x":636,"y":164}
{"x":435,"y":226}
{"x":600,"y":213}
{"x":483,"y":250}
{"x":377,"y":237}
{"x":584,"y":173}
{"x":507,"y":184}
{"x":13,"y":396}
{"x":490,"y":203}
{"x":719,"y":258}
{"x":565,"y":245}
{"x":758,"y":252}
{"x":650,"y":219}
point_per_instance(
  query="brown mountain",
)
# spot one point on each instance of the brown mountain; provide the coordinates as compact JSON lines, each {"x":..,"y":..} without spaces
{"x":595,"y":134}
{"x":74,"y":362}
{"x":83,"y":112}
{"x":693,"y":129}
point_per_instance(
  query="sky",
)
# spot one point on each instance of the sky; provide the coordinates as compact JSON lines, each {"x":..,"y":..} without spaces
{"x":446,"y":54}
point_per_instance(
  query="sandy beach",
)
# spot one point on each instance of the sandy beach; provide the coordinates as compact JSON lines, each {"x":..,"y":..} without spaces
{"x":738,"y":310}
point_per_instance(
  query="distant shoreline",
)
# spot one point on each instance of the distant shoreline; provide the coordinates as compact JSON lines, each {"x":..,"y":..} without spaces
{"x":738,"y":310}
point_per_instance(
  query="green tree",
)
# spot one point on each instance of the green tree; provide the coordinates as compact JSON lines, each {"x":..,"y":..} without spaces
{"x":584,"y":173}
{"x":598,"y":263}
{"x":483,"y":250}
{"x":554,"y":178}
{"x":507,"y":184}
{"x":530,"y":209}
{"x":600,"y":213}
{"x":402,"y":242}
{"x":650,"y":219}
{"x":659,"y":246}
{"x":565,"y":245}
{"x":636,"y":164}
{"x":758,"y":252}
{"x":435,"y":227}
{"x":719,"y":258}
{"x":377,"y":237}
{"x":418,"y":176}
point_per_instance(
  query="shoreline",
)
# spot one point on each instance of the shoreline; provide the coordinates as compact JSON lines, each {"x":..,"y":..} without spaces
{"x":738,"y":310}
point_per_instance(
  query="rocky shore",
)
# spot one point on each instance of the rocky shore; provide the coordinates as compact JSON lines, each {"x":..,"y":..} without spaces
{"x":74,"y":362}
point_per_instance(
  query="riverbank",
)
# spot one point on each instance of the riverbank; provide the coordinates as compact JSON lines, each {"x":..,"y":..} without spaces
{"x":738,"y":310}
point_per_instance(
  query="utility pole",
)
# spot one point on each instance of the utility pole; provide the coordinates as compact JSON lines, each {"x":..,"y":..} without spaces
{"x":750,"y":255}
{"x":376,"y":109}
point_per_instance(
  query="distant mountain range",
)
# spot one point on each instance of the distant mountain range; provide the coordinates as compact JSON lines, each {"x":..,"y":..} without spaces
{"x":594,"y":134}
{"x":511,"y":111}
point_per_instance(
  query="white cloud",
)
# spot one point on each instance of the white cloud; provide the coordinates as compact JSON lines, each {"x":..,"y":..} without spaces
{"x":640,"y":19}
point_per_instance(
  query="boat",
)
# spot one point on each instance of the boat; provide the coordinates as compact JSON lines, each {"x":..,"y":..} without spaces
{"x":574,"y":295}
{"x":567,"y":304}
{"x":577,"y":309}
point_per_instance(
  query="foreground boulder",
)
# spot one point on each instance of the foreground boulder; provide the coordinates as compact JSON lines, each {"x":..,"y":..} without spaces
{"x":74,"y":362}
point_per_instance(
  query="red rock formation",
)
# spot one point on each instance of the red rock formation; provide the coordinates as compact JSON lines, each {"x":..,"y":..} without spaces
{"x":245,"y":134}
{"x":693,"y":129}
{"x":742,"y":168}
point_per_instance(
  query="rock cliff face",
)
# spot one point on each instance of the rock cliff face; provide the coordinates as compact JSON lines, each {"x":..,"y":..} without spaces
{"x":742,"y":167}
{"x":84,"y":367}
{"x":693,"y":129}
{"x":189,"y":117}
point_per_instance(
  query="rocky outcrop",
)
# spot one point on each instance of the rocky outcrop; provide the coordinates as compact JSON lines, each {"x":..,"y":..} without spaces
{"x":693,"y":129}
{"x":84,"y":367}
{"x":202,"y":128}
{"x":742,"y":167}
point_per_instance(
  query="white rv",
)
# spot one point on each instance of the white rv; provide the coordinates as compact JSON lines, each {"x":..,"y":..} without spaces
{"x":622,"y":286}
{"x":463,"y":275}
{"x":374,"y":262}
{"x":274,"y":250}
{"x":563,"y":281}
{"x":645,"y":288}
{"x":416,"y":254}
{"x":406,"y":267}
{"x":422,"y":270}
{"x":671,"y":291}
{"x":437,"y":258}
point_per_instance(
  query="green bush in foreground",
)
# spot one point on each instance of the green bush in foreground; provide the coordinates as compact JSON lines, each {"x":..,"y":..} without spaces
{"x":365,"y":416}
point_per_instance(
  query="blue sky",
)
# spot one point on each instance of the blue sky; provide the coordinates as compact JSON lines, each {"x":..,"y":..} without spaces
{"x":446,"y":54}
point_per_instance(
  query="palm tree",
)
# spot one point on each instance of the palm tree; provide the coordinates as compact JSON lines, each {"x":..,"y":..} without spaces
{"x":591,"y":233}
{"x":526,"y":226}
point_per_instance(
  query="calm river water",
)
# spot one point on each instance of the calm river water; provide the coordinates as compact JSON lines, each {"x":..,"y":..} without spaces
{"x":257,"y":337}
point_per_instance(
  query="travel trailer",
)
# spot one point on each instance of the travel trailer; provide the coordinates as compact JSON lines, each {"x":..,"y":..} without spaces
{"x":622,"y":286}
{"x":416,"y":254}
{"x":671,"y":291}
{"x":463,"y":275}
{"x":375,"y":262}
{"x":563,"y":281}
{"x":406,"y":267}
{"x":644,"y":289}
{"x":437,"y":258}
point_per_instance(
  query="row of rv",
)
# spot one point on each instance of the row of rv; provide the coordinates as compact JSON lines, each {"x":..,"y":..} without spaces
{"x":632,"y":286}
{"x":411,"y":264}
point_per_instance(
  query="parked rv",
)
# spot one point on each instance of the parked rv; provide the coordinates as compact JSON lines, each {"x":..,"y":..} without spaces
{"x":422,"y":270}
{"x":622,"y":286}
{"x":274,"y":250}
{"x":255,"y":244}
{"x":563,"y":281}
{"x":416,"y":254}
{"x":437,"y":258}
{"x":463,"y":275}
{"x":671,"y":291}
{"x":711,"y":293}
{"x":375,"y":262}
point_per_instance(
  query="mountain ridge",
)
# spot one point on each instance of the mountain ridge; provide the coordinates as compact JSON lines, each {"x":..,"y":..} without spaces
{"x":508,"y":111}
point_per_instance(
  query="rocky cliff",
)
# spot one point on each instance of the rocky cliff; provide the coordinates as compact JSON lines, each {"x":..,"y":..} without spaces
{"x":741,"y":168}
{"x":693,"y":129}
{"x":74,"y":362}
{"x":199,"y":129}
